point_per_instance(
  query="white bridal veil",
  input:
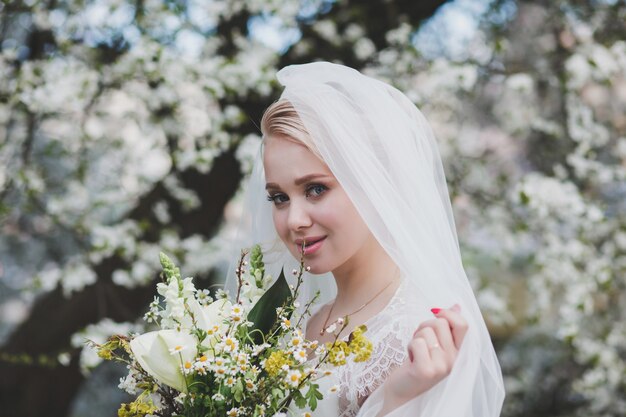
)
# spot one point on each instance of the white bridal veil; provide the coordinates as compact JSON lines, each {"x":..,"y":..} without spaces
{"x":382,"y":151}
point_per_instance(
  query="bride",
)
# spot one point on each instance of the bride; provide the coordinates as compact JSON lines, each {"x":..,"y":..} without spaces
{"x":350,"y":167}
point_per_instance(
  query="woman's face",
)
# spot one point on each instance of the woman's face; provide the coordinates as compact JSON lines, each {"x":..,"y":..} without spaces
{"x":309,"y":204}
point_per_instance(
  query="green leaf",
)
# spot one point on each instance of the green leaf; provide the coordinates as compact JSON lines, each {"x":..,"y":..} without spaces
{"x":238,"y":391}
{"x":299,"y":399}
{"x":263,"y":314}
{"x":313,"y":394}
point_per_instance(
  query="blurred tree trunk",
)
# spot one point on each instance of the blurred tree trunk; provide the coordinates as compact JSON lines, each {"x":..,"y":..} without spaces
{"x":38,"y":391}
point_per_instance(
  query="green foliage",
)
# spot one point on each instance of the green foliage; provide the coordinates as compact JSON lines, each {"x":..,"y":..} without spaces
{"x":170,"y":270}
{"x":263,"y":314}
{"x":257,"y":267}
{"x":313,"y":395}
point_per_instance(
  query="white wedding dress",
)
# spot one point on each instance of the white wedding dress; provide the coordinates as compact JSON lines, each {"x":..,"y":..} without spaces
{"x":389,"y":331}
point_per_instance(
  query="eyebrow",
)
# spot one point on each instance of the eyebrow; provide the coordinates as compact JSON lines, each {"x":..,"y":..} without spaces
{"x":298,"y":181}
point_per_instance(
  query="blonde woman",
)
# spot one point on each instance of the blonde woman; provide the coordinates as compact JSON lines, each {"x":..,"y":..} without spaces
{"x":350,"y":167}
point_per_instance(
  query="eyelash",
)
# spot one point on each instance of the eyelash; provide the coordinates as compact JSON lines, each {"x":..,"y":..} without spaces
{"x":273,"y":198}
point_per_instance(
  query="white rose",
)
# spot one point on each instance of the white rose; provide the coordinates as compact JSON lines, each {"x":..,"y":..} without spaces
{"x":153,"y":352}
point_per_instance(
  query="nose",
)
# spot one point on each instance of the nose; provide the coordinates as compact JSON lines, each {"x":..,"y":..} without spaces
{"x":298,"y":217}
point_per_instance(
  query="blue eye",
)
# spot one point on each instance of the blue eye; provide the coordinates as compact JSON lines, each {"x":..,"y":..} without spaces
{"x":277,"y":198}
{"x":316,"y":190}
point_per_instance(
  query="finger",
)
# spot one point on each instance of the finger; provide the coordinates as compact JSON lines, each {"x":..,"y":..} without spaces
{"x":438,"y":363}
{"x":438,"y":360}
{"x":429,"y":335}
{"x":443,"y":332}
{"x":457,"y":324}
{"x":418,"y":350}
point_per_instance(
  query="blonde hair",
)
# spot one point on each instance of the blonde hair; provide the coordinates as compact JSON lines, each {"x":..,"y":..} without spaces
{"x":281,"y":119}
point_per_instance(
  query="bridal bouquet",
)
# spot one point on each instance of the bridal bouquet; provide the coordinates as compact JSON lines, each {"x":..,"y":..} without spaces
{"x":220,"y":356}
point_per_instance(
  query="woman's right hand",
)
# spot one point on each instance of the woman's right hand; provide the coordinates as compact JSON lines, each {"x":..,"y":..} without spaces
{"x":431,"y":354}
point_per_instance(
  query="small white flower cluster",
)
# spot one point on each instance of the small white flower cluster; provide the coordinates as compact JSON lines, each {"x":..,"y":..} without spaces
{"x":129,"y":382}
{"x":173,"y":315}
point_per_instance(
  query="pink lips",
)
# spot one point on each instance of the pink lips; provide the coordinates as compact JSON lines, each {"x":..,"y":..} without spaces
{"x":311,"y":248}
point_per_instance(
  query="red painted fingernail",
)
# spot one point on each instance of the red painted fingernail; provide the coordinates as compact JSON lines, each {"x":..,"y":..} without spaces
{"x":435,"y":310}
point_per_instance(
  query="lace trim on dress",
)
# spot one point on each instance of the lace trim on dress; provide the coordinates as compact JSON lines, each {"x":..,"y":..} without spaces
{"x":389,"y":331}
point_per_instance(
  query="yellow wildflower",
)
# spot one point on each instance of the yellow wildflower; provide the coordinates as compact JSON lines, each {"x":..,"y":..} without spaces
{"x":337,"y":352}
{"x":137,"y":408}
{"x":359,"y":345}
{"x":276,"y":361}
{"x":105,"y":353}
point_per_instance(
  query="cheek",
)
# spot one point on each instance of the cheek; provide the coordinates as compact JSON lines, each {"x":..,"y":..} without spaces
{"x":344,"y":217}
{"x":279,"y":223}
{"x":282,"y":230}
{"x":354,"y":221}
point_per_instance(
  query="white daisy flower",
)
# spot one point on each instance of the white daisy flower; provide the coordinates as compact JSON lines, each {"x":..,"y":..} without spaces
{"x":187,"y":368}
{"x":300,"y":355}
{"x":220,"y":371}
{"x":202,"y":364}
{"x":285,"y":323}
{"x":255,"y":371}
{"x":293,"y":378}
{"x":221,"y":294}
{"x":177,"y":349}
{"x":250,"y":385}
{"x":236,"y":310}
{"x":230,"y":344}
{"x":296,"y":341}
{"x":204,"y":297}
{"x":242,"y":359}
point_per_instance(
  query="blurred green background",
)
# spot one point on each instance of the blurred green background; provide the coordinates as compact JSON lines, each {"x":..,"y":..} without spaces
{"x":127,"y":127}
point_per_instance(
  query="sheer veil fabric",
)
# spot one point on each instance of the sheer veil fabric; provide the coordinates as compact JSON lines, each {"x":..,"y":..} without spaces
{"x":384,"y":154}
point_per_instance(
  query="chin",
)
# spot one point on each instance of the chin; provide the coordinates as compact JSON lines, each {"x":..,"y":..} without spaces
{"x":317,"y":271}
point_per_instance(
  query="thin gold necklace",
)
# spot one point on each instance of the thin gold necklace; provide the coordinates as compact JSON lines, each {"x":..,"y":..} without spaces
{"x":326,"y":326}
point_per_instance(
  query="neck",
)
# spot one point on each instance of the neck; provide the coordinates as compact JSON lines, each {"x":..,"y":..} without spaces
{"x":367,"y":273}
